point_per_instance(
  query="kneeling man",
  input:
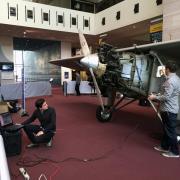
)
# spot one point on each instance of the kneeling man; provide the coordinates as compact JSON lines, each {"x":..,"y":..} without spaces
{"x":44,"y":132}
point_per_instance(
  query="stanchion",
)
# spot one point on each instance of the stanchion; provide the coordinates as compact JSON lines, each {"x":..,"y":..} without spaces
{"x":23,"y":109}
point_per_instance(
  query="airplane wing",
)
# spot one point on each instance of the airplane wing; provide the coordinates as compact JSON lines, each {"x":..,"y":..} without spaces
{"x":167,"y":48}
{"x":71,"y":62}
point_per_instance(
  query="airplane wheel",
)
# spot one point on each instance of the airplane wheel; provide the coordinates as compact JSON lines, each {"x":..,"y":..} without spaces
{"x":103,"y":116}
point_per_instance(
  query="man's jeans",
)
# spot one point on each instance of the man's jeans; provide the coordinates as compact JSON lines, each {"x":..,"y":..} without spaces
{"x":169,"y":140}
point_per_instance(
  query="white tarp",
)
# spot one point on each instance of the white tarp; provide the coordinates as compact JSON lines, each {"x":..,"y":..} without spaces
{"x":32,"y":89}
{"x":4,"y":171}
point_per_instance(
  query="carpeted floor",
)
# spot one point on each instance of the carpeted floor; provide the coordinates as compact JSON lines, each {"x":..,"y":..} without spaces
{"x":84,"y":149}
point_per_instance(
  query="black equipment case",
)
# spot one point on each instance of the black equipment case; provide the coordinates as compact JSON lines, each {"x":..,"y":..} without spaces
{"x":12,"y":142}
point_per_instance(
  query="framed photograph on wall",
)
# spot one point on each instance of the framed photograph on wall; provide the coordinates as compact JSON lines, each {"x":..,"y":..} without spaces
{"x":66,"y":75}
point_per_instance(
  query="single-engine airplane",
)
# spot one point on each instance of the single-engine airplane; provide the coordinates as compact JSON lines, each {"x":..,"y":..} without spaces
{"x":130,"y":72}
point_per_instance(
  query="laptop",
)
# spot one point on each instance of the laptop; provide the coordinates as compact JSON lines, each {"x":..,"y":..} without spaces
{"x":6,"y":123}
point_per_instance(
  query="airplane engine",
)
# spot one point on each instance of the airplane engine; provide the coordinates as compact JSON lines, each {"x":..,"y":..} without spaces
{"x":125,"y":73}
{"x":108,"y":55}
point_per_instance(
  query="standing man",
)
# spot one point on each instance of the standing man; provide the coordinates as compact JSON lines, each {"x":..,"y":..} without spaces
{"x":169,"y":107}
{"x":78,"y":81}
{"x":44,"y":132}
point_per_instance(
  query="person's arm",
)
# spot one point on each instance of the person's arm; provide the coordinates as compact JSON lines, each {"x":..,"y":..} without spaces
{"x":168,"y":90}
{"x":52,"y":125}
{"x":31,"y":119}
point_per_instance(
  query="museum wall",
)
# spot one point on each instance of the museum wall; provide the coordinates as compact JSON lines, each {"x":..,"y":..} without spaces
{"x":37,"y":66}
{"x":6,"y":55}
{"x":127,"y":16}
{"x":171,"y":19}
{"x":36,"y":15}
{"x":66,"y":73}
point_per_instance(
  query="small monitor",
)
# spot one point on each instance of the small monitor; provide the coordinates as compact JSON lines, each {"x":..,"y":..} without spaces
{"x":5,"y":119}
{"x":7,"y":67}
{"x":60,"y":19}
{"x":45,"y":16}
{"x":73,"y":21}
{"x":30,"y":14}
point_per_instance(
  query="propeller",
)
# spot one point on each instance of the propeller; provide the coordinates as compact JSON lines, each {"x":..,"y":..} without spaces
{"x":84,"y":45}
{"x":92,"y":62}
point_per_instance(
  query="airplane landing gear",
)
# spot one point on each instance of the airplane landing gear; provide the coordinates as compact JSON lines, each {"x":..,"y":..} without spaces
{"x":103,"y":116}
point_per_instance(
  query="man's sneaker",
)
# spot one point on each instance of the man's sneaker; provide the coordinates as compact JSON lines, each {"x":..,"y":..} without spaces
{"x":170,"y":154}
{"x":160,"y":149}
{"x":49,"y":144}
{"x":31,"y":145}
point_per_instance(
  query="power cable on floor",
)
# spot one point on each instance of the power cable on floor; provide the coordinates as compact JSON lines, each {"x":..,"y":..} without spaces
{"x":39,"y":160}
{"x":42,"y":176}
{"x":28,"y":162}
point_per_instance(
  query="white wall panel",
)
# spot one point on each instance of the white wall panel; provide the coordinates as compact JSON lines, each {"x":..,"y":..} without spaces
{"x":147,"y":10}
{"x":171,"y":19}
{"x":21,"y":18}
{"x":65,"y":53}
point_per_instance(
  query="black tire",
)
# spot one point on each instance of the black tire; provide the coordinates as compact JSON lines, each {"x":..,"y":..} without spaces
{"x":103,"y":116}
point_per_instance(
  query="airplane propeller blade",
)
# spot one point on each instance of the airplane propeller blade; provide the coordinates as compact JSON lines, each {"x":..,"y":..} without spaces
{"x":84,"y":45}
{"x":97,"y":88}
{"x":92,"y":62}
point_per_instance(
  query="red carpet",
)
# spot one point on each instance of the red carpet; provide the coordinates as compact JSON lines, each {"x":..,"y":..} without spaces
{"x":84,"y":149}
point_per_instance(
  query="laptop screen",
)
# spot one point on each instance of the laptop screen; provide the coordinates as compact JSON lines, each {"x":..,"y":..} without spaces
{"x":5,"y":119}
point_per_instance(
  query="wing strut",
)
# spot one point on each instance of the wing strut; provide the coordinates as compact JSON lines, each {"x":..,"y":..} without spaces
{"x":155,"y":110}
{"x":157,"y":57}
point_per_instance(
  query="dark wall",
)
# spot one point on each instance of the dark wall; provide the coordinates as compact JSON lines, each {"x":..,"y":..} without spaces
{"x":106,"y":4}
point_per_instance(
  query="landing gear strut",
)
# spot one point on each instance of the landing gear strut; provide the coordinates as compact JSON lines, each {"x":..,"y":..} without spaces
{"x":103,"y":116}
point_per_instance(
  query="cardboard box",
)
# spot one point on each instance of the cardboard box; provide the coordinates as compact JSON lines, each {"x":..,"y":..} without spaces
{"x":3,"y":107}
